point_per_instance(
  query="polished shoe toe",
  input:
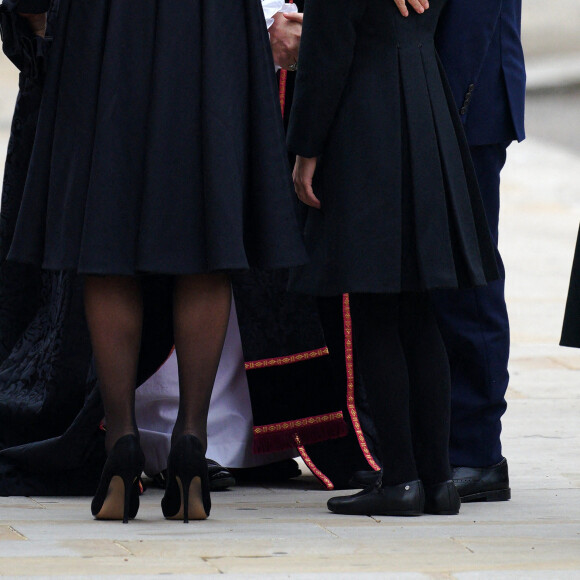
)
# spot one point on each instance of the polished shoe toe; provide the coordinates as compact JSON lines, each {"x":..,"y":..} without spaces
{"x":220,"y":477}
{"x":483,"y":483}
{"x":405,"y":499}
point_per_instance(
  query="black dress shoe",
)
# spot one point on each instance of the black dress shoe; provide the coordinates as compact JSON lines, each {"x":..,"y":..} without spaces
{"x":365,"y":479}
{"x":405,"y":499}
{"x":483,"y":483}
{"x":442,"y":499}
{"x":220,"y":478}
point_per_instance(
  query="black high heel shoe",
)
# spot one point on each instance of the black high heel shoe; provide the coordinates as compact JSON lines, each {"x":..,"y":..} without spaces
{"x":187,"y":493}
{"x":117,"y":496}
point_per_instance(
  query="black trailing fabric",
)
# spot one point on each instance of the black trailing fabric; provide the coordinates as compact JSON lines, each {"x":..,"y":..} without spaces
{"x":45,"y":356}
{"x":50,"y":407}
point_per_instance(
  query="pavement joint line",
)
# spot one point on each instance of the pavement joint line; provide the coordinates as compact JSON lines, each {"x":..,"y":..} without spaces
{"x":460,"y":543}
{"x":119,"y":545}
{"x":328,"y":531}
{"x":211,"y":562}
{"x":40,"y":505}
{"x":16,"y":532}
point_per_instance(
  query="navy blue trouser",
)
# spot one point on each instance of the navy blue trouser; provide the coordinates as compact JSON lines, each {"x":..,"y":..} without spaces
{"x":475,"y":327}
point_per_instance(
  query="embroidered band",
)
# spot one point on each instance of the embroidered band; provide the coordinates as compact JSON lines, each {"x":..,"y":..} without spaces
{"x":286,"y":360}
{"x":348,"y":352}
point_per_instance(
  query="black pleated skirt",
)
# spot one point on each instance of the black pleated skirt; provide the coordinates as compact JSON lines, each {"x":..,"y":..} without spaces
{"x":401,"y":209}
{"x":160,"y":146}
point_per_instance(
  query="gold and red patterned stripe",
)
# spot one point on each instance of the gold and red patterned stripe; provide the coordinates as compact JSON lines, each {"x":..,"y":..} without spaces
{"x":283,"y":83}
{"x":286,"y":360}
{"x":350,"y":399}
{"x":298,"y":423}
{"x":310,"y":464}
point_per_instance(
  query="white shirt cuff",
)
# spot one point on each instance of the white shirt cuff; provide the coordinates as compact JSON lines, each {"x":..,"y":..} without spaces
{"x":272,"y":7}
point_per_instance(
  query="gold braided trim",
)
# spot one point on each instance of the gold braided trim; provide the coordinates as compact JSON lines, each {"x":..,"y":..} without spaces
{"x":348,"y":352}
{"x":286,"y":360}
{"x":310,"y":464}
{"x":291,"y":425}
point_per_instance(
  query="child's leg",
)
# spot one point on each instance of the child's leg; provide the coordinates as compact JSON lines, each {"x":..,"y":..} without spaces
{"x":380,"y":360}
{"x":430,"y":386}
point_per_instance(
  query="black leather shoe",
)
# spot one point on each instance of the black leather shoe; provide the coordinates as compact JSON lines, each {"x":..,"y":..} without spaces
{"x":405,"y":499}
{"x":364,"y":479}
{"x":442,"y":499}
{"x":483,"y":483}
{"x":220,"y":478}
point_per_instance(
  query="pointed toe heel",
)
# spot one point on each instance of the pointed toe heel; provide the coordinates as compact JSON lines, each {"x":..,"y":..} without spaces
{"x":117,"y":497}
{"x":187,"y":493}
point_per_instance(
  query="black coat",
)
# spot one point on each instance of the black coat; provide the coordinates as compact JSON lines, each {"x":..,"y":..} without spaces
{"x":401,"y":210}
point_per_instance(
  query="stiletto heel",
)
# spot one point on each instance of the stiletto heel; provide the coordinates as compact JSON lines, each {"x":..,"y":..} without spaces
{"x":187,"y":492}
{"x":117,"y":496}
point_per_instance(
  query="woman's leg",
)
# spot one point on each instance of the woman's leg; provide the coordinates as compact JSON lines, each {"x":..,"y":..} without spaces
{"x":380,"y":361}
{"x":114,"y":310}
{"x":201,"y":312}
{"x":430,"y":384}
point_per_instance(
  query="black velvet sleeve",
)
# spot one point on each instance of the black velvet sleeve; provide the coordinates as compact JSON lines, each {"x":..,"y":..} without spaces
{"x":326,"y":53}
{"x":27,"y":6}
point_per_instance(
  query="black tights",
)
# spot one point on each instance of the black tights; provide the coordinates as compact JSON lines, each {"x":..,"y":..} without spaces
{"x":114,"y":309}
{"x":399,"y":351}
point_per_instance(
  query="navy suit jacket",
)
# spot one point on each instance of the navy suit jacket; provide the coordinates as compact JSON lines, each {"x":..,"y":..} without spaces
{"x":479,"y":42}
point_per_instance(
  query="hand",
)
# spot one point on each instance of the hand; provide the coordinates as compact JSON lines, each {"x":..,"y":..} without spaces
{"x":285,"y":36}
{"x":37,"y":23}
{"x":303,"y":175}
{"x":419,"y":5}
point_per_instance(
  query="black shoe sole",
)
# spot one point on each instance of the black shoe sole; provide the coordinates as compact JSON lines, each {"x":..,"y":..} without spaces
{"x":221,"y":483}
{"x":399,"y":514}
{"x":495,"y":495}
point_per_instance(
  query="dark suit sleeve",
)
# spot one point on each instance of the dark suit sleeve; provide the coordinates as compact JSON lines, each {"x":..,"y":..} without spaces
{"x":27,"y":6}
{"x":464,"y":35}
{"x":326,"y":53}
